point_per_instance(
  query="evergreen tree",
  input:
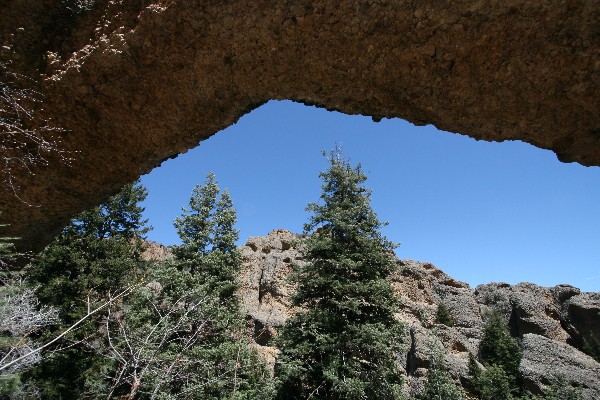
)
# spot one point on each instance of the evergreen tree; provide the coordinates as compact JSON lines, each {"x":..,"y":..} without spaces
{"x":472,"y":385}
{"x":495,"y":384}
{"x":499,"y":348}
{"x":342,"y":343}
{"x":501,"y":356}
{"x":95,"y":257}
{"x":183,"y":335}
{"x":442,"y":316}
{"x":208,"y":238}
{"x":560,"y":389}
{"x":439,"y":384}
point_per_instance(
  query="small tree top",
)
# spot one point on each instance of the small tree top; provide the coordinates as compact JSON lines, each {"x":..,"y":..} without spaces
{"x":209,"y":222}
{"x":119,"y":217}
{"x":498,"y":347}
{"x":443,"y":316}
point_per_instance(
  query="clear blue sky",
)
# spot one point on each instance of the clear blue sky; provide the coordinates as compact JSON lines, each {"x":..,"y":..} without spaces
{"x":480,"y":211}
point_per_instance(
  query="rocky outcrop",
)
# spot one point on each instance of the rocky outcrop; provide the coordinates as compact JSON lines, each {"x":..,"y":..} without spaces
{"x":264,"y":290}
{"x":560,"y":313}
{"x":545,"y":360}
{"x":549,"y":322}
{"x":529,"y":308}
{"x":581,"y":316}
{"x":132,"y":83}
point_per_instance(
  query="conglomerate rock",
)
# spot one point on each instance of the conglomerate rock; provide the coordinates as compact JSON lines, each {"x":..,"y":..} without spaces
{"x":544,"y":360}
{"x":529,"y":308}
{"x":264,"y":292}
{"x":132,"y":83}
{"x":535,"y":314}
{"x":581,"y":316}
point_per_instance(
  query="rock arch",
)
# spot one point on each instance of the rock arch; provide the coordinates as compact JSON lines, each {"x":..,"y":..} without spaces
{"x":136,"y":82}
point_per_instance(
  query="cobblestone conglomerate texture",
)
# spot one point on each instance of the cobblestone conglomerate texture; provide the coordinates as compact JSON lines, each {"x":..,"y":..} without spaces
{"x":133,"y":83}
{"x":549,"y":323}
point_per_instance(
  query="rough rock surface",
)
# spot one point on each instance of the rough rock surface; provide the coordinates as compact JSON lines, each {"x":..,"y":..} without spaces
{"x":561,"y":313}
{"x":264,"y":290}
{"x":133,"y":83}
{"x":544,"y":359}
{"x":581,"y":314}
{"x":529,"y":308}
{"x":549,"y":321}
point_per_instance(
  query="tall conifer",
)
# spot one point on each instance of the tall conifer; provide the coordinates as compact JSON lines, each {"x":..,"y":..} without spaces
{"x":183,"y":335}
{"x":96,"y":256}
{"x":343,"y":342}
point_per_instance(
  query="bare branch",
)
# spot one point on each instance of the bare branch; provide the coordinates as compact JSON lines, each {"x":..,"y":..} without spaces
{"x":25,"y":140}
{"x":66,"y":332}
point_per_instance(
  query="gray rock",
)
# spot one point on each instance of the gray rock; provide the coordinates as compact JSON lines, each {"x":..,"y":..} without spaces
{"x":265,"y":292}
{"x":544,"y":359}
{"x":550,"y":320}
{"x":528,"y":308}
{"x":581,"y":316}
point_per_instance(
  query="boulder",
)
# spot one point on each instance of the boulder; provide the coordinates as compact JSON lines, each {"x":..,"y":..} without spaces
{"x":528,"y":308}
{"x":545,"y":359}
{"x":581,"y":316}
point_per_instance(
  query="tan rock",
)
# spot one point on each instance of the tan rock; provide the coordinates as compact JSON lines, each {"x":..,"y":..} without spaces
{"x":133,"y":83}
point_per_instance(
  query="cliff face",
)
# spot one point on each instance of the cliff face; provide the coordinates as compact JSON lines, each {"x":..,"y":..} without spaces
{"x":131,"y":83}
{"x":549,"y":322}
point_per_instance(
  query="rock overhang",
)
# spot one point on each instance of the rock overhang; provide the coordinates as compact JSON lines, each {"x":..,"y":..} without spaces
{"x":132,"y":85}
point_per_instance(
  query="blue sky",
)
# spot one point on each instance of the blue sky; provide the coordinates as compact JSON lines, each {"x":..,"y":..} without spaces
{"x":480,"y":211}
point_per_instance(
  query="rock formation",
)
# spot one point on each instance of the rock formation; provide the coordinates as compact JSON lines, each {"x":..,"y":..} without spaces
{"x":132,"y":83}
{"x":549,"y":322}
{"x":544,"y":358}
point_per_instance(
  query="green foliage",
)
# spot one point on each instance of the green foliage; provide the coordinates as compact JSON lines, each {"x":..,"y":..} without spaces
{"x":494,"y":384}
{"x":178,"y":340}
{"x":342,"y":344}
{"x":472,"y":384}
{"x":559,"y":389}
{"x":208,"y":238}
{"x":95,"y":257}
{"x":442,"y":316}
{"x":491,"y":383}
{"x":500,"y":354}
{"x":208,"y":224}
{"x":120,"y":217}
{"x":183,"y":334}
{"x":180,"y":334}
{"x":439,"y":384}
{"x":499,"y":348}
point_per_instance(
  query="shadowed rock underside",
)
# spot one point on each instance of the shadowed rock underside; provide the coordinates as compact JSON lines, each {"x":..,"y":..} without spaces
{"x":131,"y":84}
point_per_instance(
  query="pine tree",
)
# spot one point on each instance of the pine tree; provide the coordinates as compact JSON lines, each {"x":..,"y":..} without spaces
{"x":473,"y":383}
{"x":501,"y":356}
{"x":95,"y":257}
{"x":183,"y":335}
{"x":439,"y":385}
{"x":342,"y":343}
{"x":495,"y":384}
{"x":499,"y":348}
{"x":442,"y":316}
